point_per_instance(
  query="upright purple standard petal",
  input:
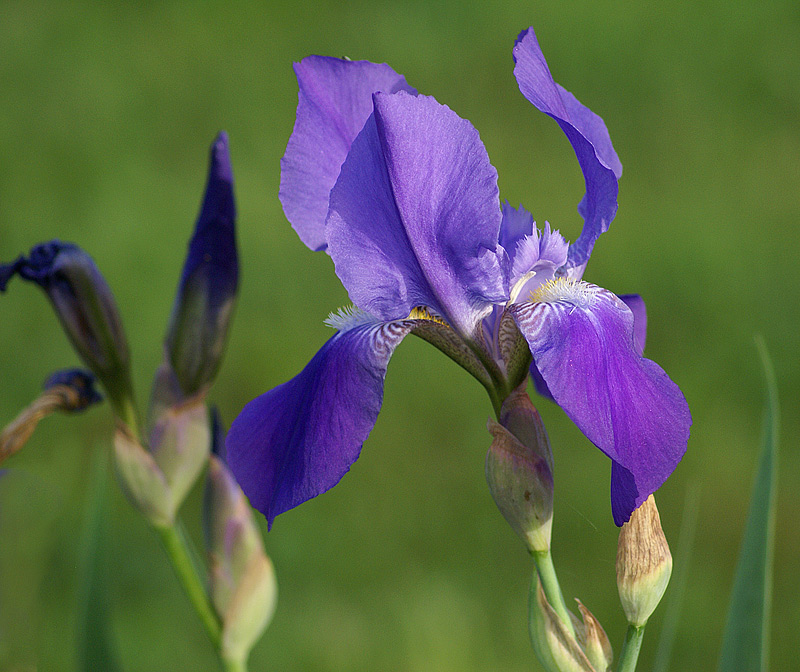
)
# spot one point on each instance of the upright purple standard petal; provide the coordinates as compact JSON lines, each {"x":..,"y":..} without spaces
{"x":298,"y":440}
{"x":581,"y":338}
{"x":517,"y":223}
{"x":334,"y":101}
{"x":415,"y":215}
{"x":586,"y":132}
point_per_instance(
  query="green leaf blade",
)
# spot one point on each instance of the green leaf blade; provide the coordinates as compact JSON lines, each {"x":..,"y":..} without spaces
{"x":745,"y":644}
{"x":95,"y":647}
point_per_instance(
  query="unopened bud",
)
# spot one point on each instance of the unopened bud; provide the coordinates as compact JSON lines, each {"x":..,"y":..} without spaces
{"x":593,"y":640}
{"x":204,"y":303}
{"x":158,"y":480}
{"x":241,"y":577}
{"x":180,"y":442}
{"x":644,"y":563}
{"x":553,"y":644}
{"x":69,"y":391}
{"x":519,"y":471}
{"x":85,"y":306}
{"x":141,"y":479}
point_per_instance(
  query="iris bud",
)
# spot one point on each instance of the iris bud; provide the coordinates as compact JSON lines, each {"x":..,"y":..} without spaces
{"x":593,"y":640}
{"x":157,"y":480}
{"x":141,"y":479}
{"x":85,"y":306}
{"x":644,"y":563}
{"x":519,"y":470}
{"x":553,"y":644}
{"x":241,"y":576}
{"x":204,"y":303}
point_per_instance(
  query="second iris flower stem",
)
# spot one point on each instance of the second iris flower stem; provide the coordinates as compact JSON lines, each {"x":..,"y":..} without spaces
{"x":551,"y":587}
{"x":630,"y":649}
{"x":179,"y":551}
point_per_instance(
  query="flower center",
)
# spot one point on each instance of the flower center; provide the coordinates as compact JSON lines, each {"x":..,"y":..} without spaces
{"x":422,"y":313}
{"x":571,"y":290}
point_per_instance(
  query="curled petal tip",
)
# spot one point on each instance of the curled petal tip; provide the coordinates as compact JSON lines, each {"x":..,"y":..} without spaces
{"x":586,"y":132}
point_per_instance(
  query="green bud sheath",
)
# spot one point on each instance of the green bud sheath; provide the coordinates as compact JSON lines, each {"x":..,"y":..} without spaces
{"x":241,"y":577}
{"x":555,"y":647}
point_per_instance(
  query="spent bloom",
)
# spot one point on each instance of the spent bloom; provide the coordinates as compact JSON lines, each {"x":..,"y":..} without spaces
{"x":84,"y":304}
{"x":399,"y":191}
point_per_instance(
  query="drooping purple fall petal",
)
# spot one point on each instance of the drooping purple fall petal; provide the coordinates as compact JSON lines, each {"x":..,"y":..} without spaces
{"x":414,"y":216}
{"x":582,"y":341}
{"x":636,"y":305}
{"x":586,"y":132}
{"x":298,"y":440}
{"x":334,"y":101}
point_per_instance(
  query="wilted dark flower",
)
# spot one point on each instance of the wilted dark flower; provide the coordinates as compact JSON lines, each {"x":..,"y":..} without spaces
{"x":85,"y":306}
{"x":69,"y":391}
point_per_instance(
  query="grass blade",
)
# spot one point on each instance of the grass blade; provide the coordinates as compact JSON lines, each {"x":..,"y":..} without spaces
{"x":745,"y":644}
{"x":95,"y":648}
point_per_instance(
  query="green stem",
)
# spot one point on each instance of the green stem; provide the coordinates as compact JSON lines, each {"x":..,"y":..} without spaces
{"x":177,"y":547}
{"x":125,"y":410}
{"x":235,"y":665}
{"x":630,"y":649}
{"x":552,"y":591}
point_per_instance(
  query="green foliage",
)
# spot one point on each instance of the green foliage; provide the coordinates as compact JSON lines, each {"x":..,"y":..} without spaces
{"x":95,"y":646}
{"x":745,"y":646}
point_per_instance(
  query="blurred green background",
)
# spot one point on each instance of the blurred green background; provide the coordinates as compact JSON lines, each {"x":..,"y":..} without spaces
{"x":107,"y":112}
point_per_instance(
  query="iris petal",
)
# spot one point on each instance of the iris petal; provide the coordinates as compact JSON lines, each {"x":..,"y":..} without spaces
{"x":517,"y":223}
{"x":586,"y":132}
{"x":636,"y":305}
{"x":414,"y":216}
{"x":334,"y":101}
{"x":299,"y":439}
{"x":625,"y":404}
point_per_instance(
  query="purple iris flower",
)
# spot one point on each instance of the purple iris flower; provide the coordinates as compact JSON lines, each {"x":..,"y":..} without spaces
{"x":400,"y":192}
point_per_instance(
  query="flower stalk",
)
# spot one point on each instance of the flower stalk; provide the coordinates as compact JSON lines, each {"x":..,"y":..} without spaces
{"x":180,"y":553}
{"x":630,"y":648}
{"x":546,"y":572}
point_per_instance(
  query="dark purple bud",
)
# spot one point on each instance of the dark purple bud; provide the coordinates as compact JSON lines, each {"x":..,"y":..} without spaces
{"x":218,"y":434}
{"x":207,"y":291}
{"x":81,"y":385}
{"x":85,"y":306}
